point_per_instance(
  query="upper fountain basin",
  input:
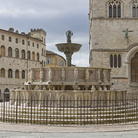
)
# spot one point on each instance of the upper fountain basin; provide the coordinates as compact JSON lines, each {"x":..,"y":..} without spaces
{"x":68,"y":47}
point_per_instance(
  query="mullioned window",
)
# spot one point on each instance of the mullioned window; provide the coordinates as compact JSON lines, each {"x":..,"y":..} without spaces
{"x":135,"y":8}
{"x":114,"y":8}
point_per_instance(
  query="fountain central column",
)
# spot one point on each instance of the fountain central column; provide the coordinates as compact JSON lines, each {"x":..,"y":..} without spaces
{"x":68,"y":59}
{"x":68,"y":48}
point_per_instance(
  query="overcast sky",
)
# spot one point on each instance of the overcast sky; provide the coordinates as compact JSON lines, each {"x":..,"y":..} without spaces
{"x":55,"y":17}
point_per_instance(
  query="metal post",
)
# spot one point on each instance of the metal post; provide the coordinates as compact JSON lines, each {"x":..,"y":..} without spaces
{"x":31,"y":109}
{"x":17,"y":110}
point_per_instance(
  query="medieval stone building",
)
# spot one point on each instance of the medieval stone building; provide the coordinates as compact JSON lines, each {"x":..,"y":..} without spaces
{"x":18,"y":52}
{"x":114,"y":40}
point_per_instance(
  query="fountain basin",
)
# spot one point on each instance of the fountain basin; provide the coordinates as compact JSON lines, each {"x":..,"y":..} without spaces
{"x":68,"y":47}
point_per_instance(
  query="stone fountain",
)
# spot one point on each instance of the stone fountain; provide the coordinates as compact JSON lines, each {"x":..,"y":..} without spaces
{"x":57,"y":83}
{"x":68,"y":48}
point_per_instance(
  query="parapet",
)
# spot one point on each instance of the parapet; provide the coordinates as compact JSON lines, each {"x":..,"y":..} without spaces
{"x":38,"y":31}
{"x":73,"y":78}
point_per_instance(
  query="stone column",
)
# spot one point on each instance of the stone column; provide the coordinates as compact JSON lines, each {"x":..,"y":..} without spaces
{"x":109,"y":71}
{"x":104,"y":76}
{"x":87,"y":75}
{"x":75,"y":74}
{"x":99,"y":76}
{"x":63,"y":74}
{"x":26,"y":76}
{"x":41,"y":75}
{"x":50,"y":75}
{"x":129,"y":72}
{"x":108,"y":97}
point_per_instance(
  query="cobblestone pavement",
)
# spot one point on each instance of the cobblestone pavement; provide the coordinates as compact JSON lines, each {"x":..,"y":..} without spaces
{"x":94,"y":131}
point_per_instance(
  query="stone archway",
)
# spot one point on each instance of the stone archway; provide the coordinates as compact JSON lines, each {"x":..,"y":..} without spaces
{"x":6,"y":94}
{"x":134,"y":69}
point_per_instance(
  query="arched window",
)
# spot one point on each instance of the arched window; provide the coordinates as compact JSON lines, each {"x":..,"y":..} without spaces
{"x":28,"y":43}
{"x":23,"y":74}
{"x":42,"y":51}
{"x":9,"y":52}
{"x":134,"y":11}
{"x":33,"y":44}
{"x":119,"y":11}
{"x":3,"y":73}
{"x":28,"y":55}
{"x":23,"y":54}
{"x":119,"y":61}
{"x":2,"y":50}
{"x":114,"y":8}
{"x":16,"y":40}
{"x":114,"y":11}
{"x":6,"y":94}
{"x":135,"y":8}
{"x":42,"y":39}
{"x":17,"y":53}
{"x":17,"y":74}
{"x":37,"y":45}
{"x":37,"y":56}
{"x":23,"y":42}
{"x":10,"y":39}
{"x":115,"y":61}
{"x":0,"y":95}
{"x":2,"y":37}
{"x":111,"y":61}
{"x":110,"y":11}
{"x":33,"y":56}
{"x":10,"y":73}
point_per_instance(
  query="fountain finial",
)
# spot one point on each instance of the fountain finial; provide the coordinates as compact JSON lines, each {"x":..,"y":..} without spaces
{"x":69,"y":33}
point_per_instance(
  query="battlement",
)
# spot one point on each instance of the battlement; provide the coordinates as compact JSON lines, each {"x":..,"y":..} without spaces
{"x":38,"y":34}
{"x":38,"y":31}
{"x":33,"y":33}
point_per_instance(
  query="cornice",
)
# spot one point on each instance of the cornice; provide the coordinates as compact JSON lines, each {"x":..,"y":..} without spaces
{"x":116,"y":50}
{"x":111,"y":19}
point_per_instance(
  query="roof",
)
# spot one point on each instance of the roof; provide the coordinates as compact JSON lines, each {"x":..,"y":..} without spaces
{"x":50,"y":53}
{"x":53,"y":53}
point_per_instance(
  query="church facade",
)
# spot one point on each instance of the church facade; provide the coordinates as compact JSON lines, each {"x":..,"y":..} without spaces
{"x":114,"y":40}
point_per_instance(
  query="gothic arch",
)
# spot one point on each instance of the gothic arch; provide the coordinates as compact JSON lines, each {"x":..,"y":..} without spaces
{"x":6,"y":94}
{"x":131,"y":54}
{"x":134,"y":69}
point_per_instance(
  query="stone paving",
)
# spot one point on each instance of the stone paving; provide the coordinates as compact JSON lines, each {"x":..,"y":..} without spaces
{"x":96,"y":131}
{"x":131,"y":134}
{"x":66,"y":129}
